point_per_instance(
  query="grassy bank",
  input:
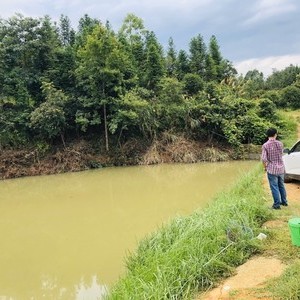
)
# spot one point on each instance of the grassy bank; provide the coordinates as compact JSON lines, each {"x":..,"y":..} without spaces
{"x":193,"y":253}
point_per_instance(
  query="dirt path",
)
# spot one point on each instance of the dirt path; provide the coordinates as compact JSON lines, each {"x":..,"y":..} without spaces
{"x":249,"y":276}
{"x":255,"y":272}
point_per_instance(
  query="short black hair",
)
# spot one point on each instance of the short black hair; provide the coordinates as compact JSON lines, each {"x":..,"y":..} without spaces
{"x":271,"y":132}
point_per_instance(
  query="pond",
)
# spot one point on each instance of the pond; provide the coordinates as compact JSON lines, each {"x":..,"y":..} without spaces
{"x":66,"y":236}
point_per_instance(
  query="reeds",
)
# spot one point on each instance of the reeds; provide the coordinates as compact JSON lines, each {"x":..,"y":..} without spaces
{"x":193,"y":253}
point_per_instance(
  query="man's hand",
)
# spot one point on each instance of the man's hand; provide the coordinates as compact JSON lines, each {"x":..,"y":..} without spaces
{"x":265,"y":166}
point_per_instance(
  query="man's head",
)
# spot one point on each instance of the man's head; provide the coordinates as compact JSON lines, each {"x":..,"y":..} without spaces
{"x":271,"y":132}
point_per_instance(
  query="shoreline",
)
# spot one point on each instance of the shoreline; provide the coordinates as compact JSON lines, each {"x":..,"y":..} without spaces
{"x":81,"y":155}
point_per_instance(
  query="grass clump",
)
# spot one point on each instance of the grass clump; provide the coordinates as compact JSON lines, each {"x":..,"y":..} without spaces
{"x":286,"y":287}
{"x":193,"y":253}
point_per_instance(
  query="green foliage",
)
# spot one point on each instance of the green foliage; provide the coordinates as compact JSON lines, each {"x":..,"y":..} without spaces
{"x":49,"y":118}
{"x":214,"y":60}
{"x":284,"y":78}
{"x":13,"y":123}
{"x":290,"y":97}
{"x":102,"y":75}
{"x":193,"y":83}
{"x":287,"y":128}
{"x":154,"y":64}
{"x":197,"y":55}
{"x":267,"y":109}
{"x":232,"y":133}
{"x":171,"y":59}
{"x":132,"y":35}
{"x":274,"y":96}
{"x":135,"y":114}
{"x":297,"y":81}
{"x":125,"y":85}
{"x":170,"y":91}
{"x":182,"y":64}
{"x":254,"y":83}
{"x":85,"y":28}
{"x":254,"y":128}
{"x":66,"y":33}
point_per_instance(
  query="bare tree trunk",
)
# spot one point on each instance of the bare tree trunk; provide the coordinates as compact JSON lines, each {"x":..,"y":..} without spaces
{"x":121,"y":131}
{"x":105,"y":128}
{"x":63,"y":139}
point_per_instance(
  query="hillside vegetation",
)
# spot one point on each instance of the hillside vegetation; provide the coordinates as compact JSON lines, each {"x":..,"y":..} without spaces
{"x":106,"y":97}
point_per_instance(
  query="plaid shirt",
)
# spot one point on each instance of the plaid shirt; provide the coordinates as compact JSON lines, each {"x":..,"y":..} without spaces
{"x":272,"y":156}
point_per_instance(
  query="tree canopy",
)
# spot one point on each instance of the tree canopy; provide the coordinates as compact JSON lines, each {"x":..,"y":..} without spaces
{"x":58,"y":83}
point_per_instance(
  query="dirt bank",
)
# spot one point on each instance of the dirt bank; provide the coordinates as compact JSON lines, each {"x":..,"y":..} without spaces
{"x":83,"y":155}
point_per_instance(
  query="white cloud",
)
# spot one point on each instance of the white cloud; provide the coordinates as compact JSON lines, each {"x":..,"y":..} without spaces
{"x":268,"y":64}
{"x":266,"y":9}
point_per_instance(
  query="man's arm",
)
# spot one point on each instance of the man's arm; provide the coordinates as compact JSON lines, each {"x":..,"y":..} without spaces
{"x":264,"y":158}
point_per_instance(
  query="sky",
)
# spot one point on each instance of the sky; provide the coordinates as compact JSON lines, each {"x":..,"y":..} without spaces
{"x":252,"y":34}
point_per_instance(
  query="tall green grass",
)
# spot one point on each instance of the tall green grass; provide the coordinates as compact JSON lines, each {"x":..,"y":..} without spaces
{"x":193,"y":253}
{"x":288,"y":124}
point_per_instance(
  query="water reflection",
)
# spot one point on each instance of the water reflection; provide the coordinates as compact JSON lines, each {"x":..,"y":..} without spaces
{"x":50,"y":289}
{"x":93,"y":290}
{"x":76,"y":228}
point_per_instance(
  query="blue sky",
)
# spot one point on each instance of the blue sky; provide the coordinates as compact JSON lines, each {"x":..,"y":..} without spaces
{"x":261,"y":34}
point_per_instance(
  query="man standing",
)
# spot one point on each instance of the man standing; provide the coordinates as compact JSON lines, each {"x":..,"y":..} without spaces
{"x":272,"y":160}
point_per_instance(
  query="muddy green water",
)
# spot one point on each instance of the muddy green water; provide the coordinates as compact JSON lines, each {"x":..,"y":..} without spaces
{"x":66,"y":236}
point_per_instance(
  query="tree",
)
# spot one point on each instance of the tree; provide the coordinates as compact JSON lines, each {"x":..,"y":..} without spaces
{"x":267,"y":109}
{"x":100,"y":75}
{"x":254,"y":83}
{"x":274,"y":96}
{"x":85,"y":28}
{"x":171,"y":59}
{"x":170,"y":91}
{"x":27,"y":53}
{"x":135,"y":115}
{"x":297,"y":81}
{"x":229,"y":72}
{"x":290,"y":97}
{"x":197,"y":55}
{"x":284,"y":78}
{"x":154,"y":66}
{"x":66,"y":33}
{"x":193,"y":83}
{"x":182,"y":64}
{"x":215,"y":66}
{"x":211,"y":70}
{"x":49,"y":118}
{"x":133,"y":36}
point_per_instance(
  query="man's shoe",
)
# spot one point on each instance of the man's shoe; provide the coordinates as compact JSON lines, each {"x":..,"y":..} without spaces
{"x":276,"y":207}
{"x":284,"y":204}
